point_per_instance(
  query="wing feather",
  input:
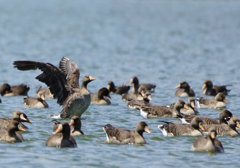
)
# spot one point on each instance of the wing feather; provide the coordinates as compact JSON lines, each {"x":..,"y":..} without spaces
{"x":52,"y":76}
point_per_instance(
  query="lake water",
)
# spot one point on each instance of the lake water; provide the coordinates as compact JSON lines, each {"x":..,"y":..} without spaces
{"x":161,"y":42}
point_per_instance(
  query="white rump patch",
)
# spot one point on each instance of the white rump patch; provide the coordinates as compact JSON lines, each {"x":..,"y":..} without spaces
{"x":184,"y":121}
{"x":56,"y":117}
{"x":143,"y":113}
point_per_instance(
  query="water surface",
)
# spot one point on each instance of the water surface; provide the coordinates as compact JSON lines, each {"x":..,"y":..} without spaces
{"x":161,"y":42}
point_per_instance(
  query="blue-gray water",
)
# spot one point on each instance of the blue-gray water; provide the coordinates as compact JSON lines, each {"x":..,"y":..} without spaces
{"x":161,"y":42}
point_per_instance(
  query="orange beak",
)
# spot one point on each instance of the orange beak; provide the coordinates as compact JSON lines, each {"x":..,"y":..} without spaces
{"x":21,"y":129}
{"x":186,"y":107}
{"x":150,"y":98}
{"x":130,"y":82}
{"x":71,"y":123}
{"x":201,"y":127}
{"x":204,"y":86}
{"x":59,"y":129}
{"x":192,"y":104}
{"x":178,"y":86}
{"x":91,"y":78}
{"x":147,"y":130}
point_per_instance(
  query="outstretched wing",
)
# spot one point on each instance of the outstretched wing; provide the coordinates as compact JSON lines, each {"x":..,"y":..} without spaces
{"x":71,"y":71}
{"x":52,"y":76}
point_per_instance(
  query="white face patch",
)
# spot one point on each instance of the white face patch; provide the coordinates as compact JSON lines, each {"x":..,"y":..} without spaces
{"x":143,"y":113}
{"x":22,"y":117}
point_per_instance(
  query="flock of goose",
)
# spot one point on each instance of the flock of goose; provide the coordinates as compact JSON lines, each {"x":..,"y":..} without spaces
{"x":63,"y":85}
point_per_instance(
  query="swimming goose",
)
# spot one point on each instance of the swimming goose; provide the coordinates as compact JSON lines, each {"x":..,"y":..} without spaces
{"x":17,"y":116}
{"x":184,"y":90}
{"x":133,"y":104}
{"x":101,"y":97}
{"x":224,"y":116}
{"x":126,"y":97}
{"x":123,"y":136}
{"x":7,"y":91}
{"x":61,"y":140}
{"x":63,"y":84}
{"x":47,"y":93}
{"x":35,"y":102}
{"x":75,"y":126}
{"x":208,"y":143}
{"x":117,"y":89}
{"x":226,"y":130}
{"x":218,"y":102}
{"x":10,"y":134}
{"x":136,"y":85}
{"x":162,"y":111}
{"x":176,"y":129}
{"x":209,"y":89}
{"x":192,"y":110}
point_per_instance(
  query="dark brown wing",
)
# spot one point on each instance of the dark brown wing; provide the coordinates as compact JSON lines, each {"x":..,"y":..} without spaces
{"x":71,"y":71}
{"x":206,"y":101}
{"x":178,"y":129}
{"x":52,"y":76}
{"x":222,"y":89}
{"x":118,"y":135}
{"x":158,"y":111}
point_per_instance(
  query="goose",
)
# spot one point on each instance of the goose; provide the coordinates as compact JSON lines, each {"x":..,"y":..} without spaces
{"x":218,"y":102}
{"x":162,"y":111}
{"x":136,"y":85}
{"x":208,"y":143}
{"x":224,"y":116}
{"x":63,"y":84}
{"x":101,"y":97}
{"x":47,"y":93}
{"x":7,"y":91}
{"x":209,"y":89}
{"x":176,"y":129}
{"x":17,"y":116}
{"x":133,"y":104}
{"x":61,"y":140}
{"x":10,"y":133}
{"x":117,"y":89}
{"x":126,"y":97}
{"x":35,"y":102}
{"x":226,"y":130}
{"x":184,"y":90}
{"x":192,"y":110}
{"x":75,"y":126}
{"x":124,"y":136}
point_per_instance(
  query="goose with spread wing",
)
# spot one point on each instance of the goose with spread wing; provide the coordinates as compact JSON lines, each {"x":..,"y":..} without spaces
{"x":63,"y":84}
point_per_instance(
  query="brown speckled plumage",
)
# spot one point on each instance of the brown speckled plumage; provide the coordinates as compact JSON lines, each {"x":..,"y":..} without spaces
{"x":63,"y":84}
